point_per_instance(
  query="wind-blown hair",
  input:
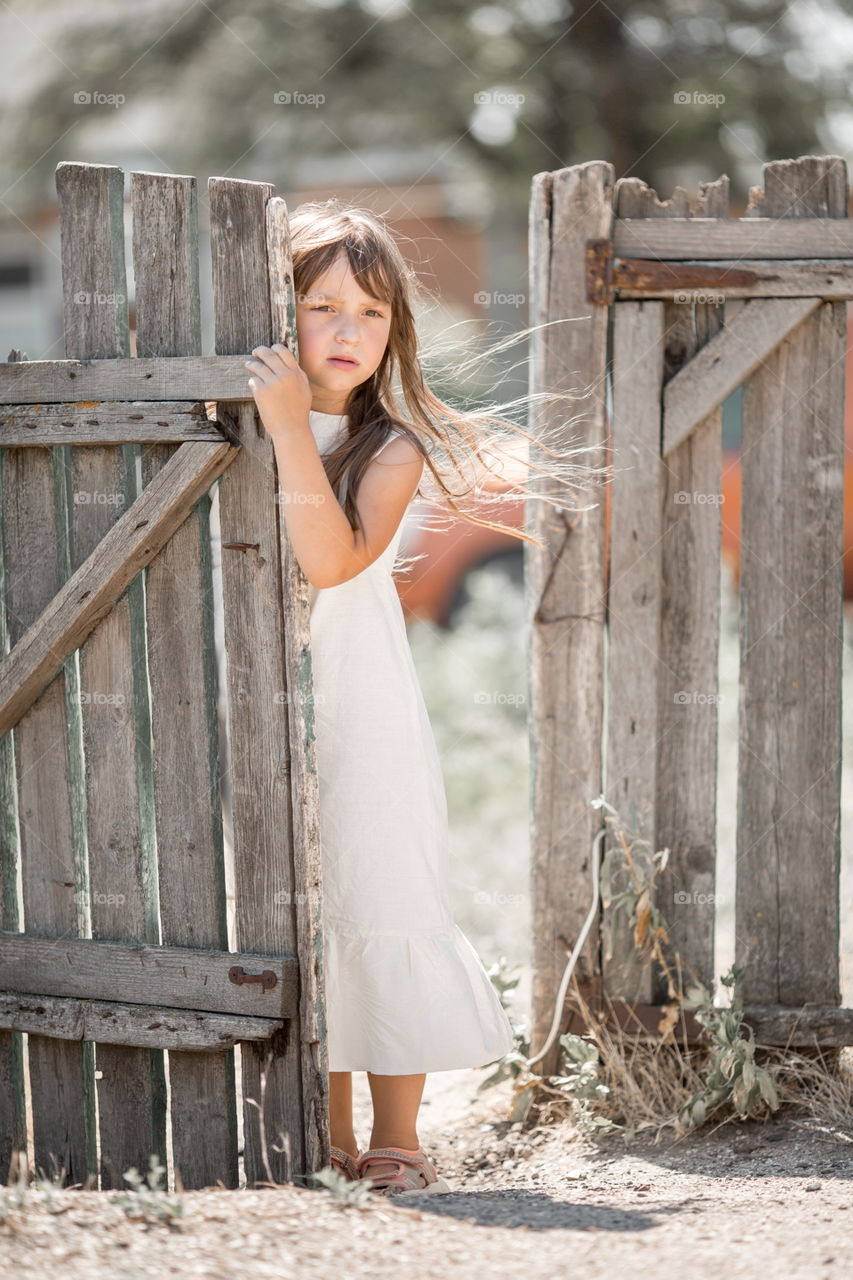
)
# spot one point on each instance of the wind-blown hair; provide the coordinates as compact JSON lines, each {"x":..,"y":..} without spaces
{"x":493,"y":458}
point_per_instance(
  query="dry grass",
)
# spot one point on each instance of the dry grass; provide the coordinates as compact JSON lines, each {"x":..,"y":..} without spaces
{"x":648,"y":1082}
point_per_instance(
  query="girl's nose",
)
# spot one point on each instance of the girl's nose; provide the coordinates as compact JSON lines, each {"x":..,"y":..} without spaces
{"x":346,"y":328}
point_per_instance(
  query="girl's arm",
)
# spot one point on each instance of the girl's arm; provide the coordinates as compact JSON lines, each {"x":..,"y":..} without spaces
{"x":328,"y":550}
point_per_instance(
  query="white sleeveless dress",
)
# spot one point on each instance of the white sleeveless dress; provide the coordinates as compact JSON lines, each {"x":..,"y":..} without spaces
{"x":405,"y":990}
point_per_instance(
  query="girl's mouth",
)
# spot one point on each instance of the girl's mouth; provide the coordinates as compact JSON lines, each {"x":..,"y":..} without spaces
{"x":343,"y":361}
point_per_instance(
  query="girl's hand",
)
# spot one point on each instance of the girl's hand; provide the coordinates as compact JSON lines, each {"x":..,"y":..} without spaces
{"x":281,"y":388}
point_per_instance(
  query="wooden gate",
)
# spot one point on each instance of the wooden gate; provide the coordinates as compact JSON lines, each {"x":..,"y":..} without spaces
{"x":115,"y":956}
{"x":679,"y":308}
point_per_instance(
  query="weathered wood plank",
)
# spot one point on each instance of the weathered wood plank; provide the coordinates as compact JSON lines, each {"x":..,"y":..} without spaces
{"x":736,"y":351}
{"x":170,"y":422}
{"x":13,"y":1122}
{"x":564,"y":588}
{"x":182,"y":672}
{"x":634,"y":606}
{"x":62,"y":1105}
{"x":789,"y":777}
{"x":741,"y":239}
{"x":259,"y":765}
{"x":99,"y":581}
{"x":146,"y":1026}
{"x":141,"y":973}
{"x":770,"y":278}
{"x":114,"y":713}
{"x":126,"y":379}
{"x":800,"y":1028}
{"x":686,"y":743}
{"x":305,"y":806}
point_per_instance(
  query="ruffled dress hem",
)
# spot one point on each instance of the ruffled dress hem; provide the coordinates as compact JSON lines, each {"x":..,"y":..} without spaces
{"x":409,"y":1003}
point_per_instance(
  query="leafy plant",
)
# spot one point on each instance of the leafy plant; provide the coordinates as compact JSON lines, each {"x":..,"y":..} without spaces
{"x":627,"y":878}
{"x":733,"y":1074}
{"x":147,"y":1201}
{"x":20,"y":1192}
{"x":514,"y":1063}
{"x":584,"y":1083}
{"x":341,"y":1189}
{"x":726,"y":1072}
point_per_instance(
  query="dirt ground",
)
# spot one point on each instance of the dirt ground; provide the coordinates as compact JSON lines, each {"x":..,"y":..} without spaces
{"x":747,"y":1200}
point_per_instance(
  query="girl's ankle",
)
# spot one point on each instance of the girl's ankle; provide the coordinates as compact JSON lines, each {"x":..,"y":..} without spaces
{"x":408,"y":1145}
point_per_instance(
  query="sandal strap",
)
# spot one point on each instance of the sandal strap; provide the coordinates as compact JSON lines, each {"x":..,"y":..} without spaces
{"x":417,"y":1161}
{"x":344,"y":1160}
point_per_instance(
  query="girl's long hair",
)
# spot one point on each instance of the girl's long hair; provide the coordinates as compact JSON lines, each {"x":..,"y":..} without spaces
{"x":474,"y":458}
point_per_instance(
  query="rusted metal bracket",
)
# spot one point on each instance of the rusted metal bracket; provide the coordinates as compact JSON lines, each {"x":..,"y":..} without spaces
{"x":606,"y":275}
{"x":238,"y":975}
{"x":599,"y":271}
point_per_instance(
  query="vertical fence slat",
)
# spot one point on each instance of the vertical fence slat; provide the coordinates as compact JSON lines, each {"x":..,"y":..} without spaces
{"x":13,"y":1124}
{"x":685,"y":799}
{"x":114,"y":683}
{"x":257,"y":713}
{"x":633,"y":606}
{"x":565,"y":590}
{"x":181,"y":662}
{"x":791,"y":591}
{"x":307,"y":871}
{"x":32,"y":536}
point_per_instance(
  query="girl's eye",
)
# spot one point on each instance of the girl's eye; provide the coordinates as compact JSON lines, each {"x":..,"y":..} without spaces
{"x":324,"y":306}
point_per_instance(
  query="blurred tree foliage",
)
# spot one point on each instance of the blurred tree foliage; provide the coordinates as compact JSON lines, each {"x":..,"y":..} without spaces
{"x":598,"y":81}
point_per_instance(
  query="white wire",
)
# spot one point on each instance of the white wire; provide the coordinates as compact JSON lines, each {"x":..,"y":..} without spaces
{"x":573,"y":958}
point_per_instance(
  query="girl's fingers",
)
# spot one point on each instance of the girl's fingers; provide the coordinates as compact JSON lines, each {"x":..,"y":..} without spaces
{"x":262,"y":372}
{"x":274,"y":357}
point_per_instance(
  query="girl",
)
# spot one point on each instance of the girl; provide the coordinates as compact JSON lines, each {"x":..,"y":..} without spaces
{"x":406,"y":993}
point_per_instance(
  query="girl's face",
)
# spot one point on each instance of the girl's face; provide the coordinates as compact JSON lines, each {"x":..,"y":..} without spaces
{"x":342,"y":334}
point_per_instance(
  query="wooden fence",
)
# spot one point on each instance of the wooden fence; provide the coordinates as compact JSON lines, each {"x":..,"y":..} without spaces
{"x":680,"y":306}
{"x":114,"y":952}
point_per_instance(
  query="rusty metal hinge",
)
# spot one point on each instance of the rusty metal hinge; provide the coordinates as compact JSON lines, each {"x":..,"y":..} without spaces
{"x":606,"y":275}
{"x":238,"y":975}
{"x":599,"y":271}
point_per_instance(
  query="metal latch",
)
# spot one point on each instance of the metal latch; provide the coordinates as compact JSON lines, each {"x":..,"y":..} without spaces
{"x":238,"y":975}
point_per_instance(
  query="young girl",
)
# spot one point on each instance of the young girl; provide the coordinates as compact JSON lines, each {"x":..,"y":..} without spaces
{"x":406,"y":993}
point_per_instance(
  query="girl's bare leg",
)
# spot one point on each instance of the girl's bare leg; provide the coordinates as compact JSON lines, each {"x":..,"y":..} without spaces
{"x":396,"y":1101}
{"x":340,"y":1112}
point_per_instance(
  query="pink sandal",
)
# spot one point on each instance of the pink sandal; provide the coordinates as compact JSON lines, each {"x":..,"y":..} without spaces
{"x":421,"y":1175}
{"x":344,"y":1164}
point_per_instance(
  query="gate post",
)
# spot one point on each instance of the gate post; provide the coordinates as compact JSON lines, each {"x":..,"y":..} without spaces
{"x":565,"y":589}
